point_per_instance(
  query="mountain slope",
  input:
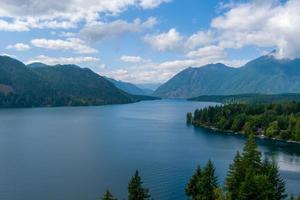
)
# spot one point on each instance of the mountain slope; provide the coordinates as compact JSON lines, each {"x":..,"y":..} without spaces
{"x":129,"y":87}
{"x":263,"y":75}
{"x":60,"y":85}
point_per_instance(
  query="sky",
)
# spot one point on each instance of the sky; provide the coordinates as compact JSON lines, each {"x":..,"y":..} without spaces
{"x":148,"y":41}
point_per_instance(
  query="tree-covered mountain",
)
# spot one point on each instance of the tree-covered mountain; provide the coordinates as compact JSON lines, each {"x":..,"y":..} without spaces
{"x":129,"y":87}
{"x":265,"y":74}
{"x":60,"y":85}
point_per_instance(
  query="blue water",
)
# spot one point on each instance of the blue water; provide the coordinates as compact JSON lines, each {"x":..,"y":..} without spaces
{"x":77,"y":153}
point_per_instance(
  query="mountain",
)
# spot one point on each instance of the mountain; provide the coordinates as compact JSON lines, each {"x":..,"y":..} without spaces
{"x":265,"y":74}
{"x":129,"y":87}
{"x":150,"y":86}
{"x":60,"y":85}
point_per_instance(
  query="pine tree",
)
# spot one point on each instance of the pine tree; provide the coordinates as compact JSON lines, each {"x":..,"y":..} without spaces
{"x":251,"y":157}
{"x":108,"y":196}
{"x":254,"y":187}
{"x":234,"y":177}
{"x":135,"y":189}
{"x":276,"y":183}
{"x":209,"y":181}
{"x":189,"y":118}
{"x":194,"y":186}
{"x":203,"y":183}
{"x":249,"y":178}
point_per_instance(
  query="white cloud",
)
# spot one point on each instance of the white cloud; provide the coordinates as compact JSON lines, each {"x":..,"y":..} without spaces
{"x":207,"y":52}
{"x":199,"y":39}
{"x":234,"y":63}
{"x":263,"y":24}
{"x":66,"y":34}
{"x":63,"y":60}
{"x":65,"y":14}
{"x":74,"y":44}
{"x":100,"y":30}
{"x":133,"y":59}
{"x":17,"y":26}
{"x":147,"y":4}
{"x":164,"y":41}
{"x":19,"y":47}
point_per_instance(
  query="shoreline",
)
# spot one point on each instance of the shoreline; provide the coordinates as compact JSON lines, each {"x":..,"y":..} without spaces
{"x":242,"y":134}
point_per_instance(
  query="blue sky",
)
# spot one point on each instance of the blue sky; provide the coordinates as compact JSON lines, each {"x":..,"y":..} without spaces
{"x":148,"y":41}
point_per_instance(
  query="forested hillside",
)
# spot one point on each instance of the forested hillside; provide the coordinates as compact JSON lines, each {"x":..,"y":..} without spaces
{"x":60,"y":85}
{"x":265,"y":75}
{"x":280,"y":120}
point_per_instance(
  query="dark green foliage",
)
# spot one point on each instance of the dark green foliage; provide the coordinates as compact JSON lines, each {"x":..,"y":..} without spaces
{"x":61,"y":85}
{"x":108,"y":196}
{"x":135,"y":189}
{"x":203,"y":183}
{"x":189,"y":118}
{"x":209,"y":181}
{"x":194,"y":186}
{"x":234,"y":177}
{"x":275,"y":183}
{"x":277,"y":120}
{"x":251,"y":156}
{"x":250,"y":178}
{"x":250,"y":98}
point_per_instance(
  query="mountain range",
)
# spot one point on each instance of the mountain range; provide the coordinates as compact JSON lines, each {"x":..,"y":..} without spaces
{"x":265,"y":74}
{"x":130,"y":88}
{"x":39,"y":84}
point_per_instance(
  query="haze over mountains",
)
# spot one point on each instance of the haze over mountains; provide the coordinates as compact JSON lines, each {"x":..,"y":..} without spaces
{"x":130,"y":88}
{"x":38,"y":84}
{"x":265,"y":74}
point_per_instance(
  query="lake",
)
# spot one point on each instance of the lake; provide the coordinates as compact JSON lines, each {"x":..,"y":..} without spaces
{"x":79,"y":152}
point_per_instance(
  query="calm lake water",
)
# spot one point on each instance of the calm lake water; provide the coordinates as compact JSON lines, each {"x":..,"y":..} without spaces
{"x":77,"y":153}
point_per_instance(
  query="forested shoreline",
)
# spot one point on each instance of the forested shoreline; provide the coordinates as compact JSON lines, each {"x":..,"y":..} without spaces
{"x":274,"y":120}
{"x":249,"y":98}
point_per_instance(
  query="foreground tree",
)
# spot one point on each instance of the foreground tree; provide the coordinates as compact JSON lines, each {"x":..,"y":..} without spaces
{"x":203,"y":184}
{"x":135,"y":189}
{"x":234,"y":177}
{"x":193,"y":188}
{"x":250,"y":178}
{"x":108,"y":196}
{"x":275,"y":182}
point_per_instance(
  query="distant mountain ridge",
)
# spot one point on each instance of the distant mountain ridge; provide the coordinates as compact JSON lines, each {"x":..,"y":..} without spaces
{"x":266,"y":75}
{"x":60,"y":85}
{"x":130,"y":88}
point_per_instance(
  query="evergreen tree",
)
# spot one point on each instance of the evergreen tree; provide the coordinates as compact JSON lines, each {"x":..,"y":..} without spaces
{"x":189,"y":118}
{"x":108,"y":196}
{"x":203,"y":184}
{"x":249,"y":178}
{"x":135,"y":189}
{"x":276,"y":183}
{"x":209,"y":181}
{"x":234,"y":177}
{"x":251,"y":157}
{"x":255,"y":187}
{"x":193,"y":188}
